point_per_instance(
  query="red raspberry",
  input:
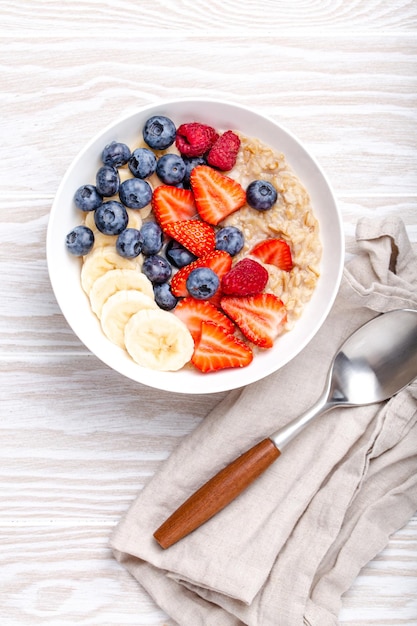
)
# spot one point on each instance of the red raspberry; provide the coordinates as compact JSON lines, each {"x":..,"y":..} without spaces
{"x":224,"y":151}
{"x":246,"y":278}
{"x":195,"y":139}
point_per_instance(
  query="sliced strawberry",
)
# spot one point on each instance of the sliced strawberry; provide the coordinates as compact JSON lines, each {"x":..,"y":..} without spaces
{"x":197,"y":236}
{"x":274,"y":252}
{"x":193,"y":312}
{"x":260,"y":317}
{"x":172,"y":204}
{"x":217,"y":349}
{"x":215,"y":194}
{"x":245,"y":278}
{"x":218,"y":260}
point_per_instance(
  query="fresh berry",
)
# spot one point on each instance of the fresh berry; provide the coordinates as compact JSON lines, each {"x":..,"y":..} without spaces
{"x":80,"y":240}
{"x":129,"y":243}
{"x":171,"y":204}
{"x":230,"y":239}
{"x":157,"y":269}
{"x":159,"y":132}
{"x":107,"y":181}
{"x":274,"y":252}
{"x":164,"y":297}
{"x":194,"y":139}
{"x":218,"y":260}
{"x":87,"y":198}
{"x":224,"y":151}
{"x":217,"y":349}
{"x":215,"y":194}
{"x":193,"y":312}
{"x":170,"y":168}
{"x":111,"y":218}
{"x":260,"y":317}
{"x":246,"y":278}
{"x":115,"y":154}
{"x":195,"y":235}
{"x":152,"y":238}
{"x":135,"y":193}
{"x":190,"y":164}
{"x":177,"y":255}
{"x":261,"y":195}
{"x":202,"y":283}
{"x":142,"y":163}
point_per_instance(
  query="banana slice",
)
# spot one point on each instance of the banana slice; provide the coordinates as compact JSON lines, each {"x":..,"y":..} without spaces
{"x":118,"y":309}
{"x":158,"y":340}
{"x":117,"y":280}
{"x":101,"y":260}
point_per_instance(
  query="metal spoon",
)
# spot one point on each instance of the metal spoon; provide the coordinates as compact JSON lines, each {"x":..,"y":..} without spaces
{"x":373,"y":364}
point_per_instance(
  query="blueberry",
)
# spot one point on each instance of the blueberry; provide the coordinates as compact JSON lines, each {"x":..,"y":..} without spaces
{"x":164,"y":297}
{"x":230,"y":239}
{"x":111,"y":218}
{"x":202,"y":283}
{"x":159,"y":132}
{"x":157,"y":269}
{"x":107,"y":181}
{"x":261,"y":195}
{"x":115,"y":154}
{"x":170,"y":168}
{"x":80,"y":240}
{"x":142,"y":163}
{"x":87,"y":198}
{"x":177,"y":255}
{"x":135,"y":193}
{"x":152,"y":238}
{"x":129,"y":243}
{"x":190,"y":164}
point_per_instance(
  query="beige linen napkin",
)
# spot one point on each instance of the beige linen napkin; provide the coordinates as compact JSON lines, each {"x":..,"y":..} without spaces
{"x":285,"y":550}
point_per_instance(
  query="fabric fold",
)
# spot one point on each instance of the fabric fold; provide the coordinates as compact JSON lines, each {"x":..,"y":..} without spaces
{"x":286,"y":549}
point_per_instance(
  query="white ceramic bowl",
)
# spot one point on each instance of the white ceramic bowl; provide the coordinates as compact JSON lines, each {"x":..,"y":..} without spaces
{"x":64,"y":269}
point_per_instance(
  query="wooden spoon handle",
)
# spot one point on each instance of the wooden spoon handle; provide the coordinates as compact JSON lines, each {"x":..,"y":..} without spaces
{"x":215,"y":494}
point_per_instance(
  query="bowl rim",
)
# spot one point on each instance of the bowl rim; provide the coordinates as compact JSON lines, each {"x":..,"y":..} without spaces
{"x":219,"y":381}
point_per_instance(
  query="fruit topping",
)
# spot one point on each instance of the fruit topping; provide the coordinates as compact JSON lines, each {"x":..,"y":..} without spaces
{"x":172,"y":204}
{"x":202,"y":283}
{"x":195,"y":235}
{"x":111,"y":218}
{"x":142,"y":163}
{"x":216,"y":195}
{"x":80,"y":240}
{"x":230,"y":239}
{"x":159,"y":132}
{"x":261,"y":195}
{"x":129,"y":243}
{"x":164,"y":297}
{"x":152,"y":238}
{"x":260,"y":317}
{"x":193,"y":312}
{"x":135,"y":193}
{"x":194,"y":139}
{"x":87,"y":198}
{"x":224,"y":151}
{"x":217,"y":349}
{"x":157,"y":269}
{"x":107,"y":181}
{"x":218,"y":260}
{"x":246,"y":278}
{"x":115,"y":154}
{"x":274,"y":252}
{"x":190,"y":164}
{"x":170,"y":168}
{"x":177,"y":255}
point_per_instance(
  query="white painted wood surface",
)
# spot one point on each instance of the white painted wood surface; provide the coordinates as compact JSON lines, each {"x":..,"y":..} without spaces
{"x":77,"y":440}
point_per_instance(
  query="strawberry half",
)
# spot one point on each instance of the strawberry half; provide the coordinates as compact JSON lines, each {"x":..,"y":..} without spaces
{"x":195,"y":235}
{"x":172,"y":204}
{"x":217,"y":349}
{"x":215,"y":194}
{"x":260,"y":317}
{"x":218,"y":260}
{"x":274,"y":252}
{"x":193,"y":312}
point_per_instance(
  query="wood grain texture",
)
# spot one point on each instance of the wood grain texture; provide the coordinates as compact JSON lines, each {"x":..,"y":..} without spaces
{"x":77,"y":440}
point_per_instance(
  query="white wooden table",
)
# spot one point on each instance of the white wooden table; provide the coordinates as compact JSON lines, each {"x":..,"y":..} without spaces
{"x":77,"y":440}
